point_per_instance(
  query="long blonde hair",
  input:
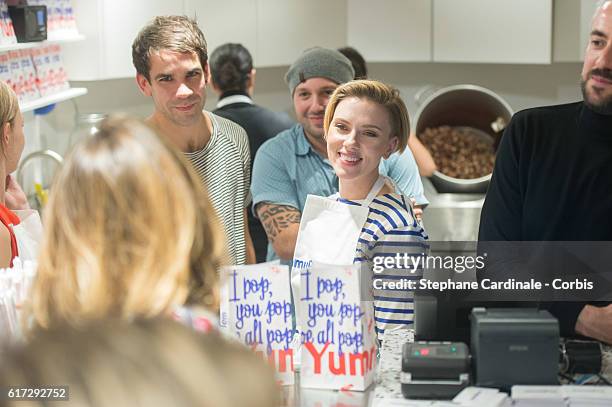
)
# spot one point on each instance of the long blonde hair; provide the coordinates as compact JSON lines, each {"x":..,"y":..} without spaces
{"x":144,"y":363}
{"x":129,"y":232}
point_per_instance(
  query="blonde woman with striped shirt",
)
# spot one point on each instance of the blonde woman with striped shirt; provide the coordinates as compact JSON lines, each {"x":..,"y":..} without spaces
{"x":366,"y":121}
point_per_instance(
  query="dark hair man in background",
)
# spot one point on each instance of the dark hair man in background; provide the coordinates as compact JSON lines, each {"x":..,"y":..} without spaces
{"x":233,"y":78}
{"x":357,"y":60}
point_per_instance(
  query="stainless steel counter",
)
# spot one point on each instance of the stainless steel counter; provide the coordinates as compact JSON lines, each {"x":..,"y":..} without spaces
{"x":451,"y":217}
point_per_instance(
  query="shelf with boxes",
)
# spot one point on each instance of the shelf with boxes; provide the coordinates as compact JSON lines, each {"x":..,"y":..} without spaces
{"x":37,"y":75}
{"x":31,"y":35}
{"x":34,"y":69}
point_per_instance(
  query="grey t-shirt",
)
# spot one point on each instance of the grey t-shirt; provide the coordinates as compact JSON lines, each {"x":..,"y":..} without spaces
{"x":224,"y":167}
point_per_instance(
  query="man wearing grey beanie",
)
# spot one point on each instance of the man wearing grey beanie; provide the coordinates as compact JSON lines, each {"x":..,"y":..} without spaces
{"x":294,"y":164}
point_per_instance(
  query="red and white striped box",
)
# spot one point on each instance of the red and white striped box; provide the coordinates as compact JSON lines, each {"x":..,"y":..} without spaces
{"x":5,"y":69}
{"x":30,"y":90}
{"x":17,"y":77}
{"x":42,"y":64}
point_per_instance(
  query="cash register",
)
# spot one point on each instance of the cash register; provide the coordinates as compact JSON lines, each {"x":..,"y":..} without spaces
{"x":502,"y":343}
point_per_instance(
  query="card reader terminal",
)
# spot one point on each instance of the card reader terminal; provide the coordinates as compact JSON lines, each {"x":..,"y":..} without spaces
{"x":437,"y":370}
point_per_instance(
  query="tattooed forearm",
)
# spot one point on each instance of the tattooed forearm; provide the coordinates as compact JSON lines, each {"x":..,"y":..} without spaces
{"x":276,"y":218}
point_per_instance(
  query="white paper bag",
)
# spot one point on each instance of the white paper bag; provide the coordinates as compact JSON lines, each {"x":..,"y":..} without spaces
{"x":337,"y":331}
{"x":256,"y":309}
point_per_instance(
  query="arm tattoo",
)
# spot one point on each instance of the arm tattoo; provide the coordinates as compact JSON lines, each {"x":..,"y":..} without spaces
{"x":276,"y":218}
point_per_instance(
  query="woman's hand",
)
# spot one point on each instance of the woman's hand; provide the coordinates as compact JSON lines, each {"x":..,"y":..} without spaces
{"x":14,"y":197}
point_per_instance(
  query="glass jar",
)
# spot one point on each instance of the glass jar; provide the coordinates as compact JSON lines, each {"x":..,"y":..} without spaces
{"x":86,"y":125}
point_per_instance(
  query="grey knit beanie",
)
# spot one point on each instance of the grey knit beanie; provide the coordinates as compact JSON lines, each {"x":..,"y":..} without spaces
{"x":319,"y":62}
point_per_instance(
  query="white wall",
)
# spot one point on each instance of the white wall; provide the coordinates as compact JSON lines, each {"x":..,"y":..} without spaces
{"x":522,"y":86}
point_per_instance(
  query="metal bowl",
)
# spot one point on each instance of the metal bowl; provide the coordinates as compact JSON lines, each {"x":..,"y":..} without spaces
{"x":463,"y":106}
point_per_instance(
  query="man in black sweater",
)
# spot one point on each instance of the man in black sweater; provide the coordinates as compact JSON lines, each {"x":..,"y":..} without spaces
{"x":553,"y":175}
{"x":233,"y":78}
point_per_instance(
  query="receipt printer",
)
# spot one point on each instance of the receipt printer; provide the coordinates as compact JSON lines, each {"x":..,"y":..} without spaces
{"x":434,"y":370}
{"x":514,"y":346}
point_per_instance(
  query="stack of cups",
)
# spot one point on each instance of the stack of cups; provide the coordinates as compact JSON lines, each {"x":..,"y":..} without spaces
{"x":15,"y":286}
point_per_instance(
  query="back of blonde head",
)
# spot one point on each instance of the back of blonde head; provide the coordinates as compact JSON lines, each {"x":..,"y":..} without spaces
{"x":145,"y":363}
{"x":128,"y":232}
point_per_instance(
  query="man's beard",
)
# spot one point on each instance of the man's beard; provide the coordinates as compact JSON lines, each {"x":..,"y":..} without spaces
{"x":605,"y":105}
{"x":312,"y":130}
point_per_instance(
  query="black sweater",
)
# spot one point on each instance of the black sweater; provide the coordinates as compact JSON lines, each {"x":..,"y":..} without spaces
{"x":552,"y":182}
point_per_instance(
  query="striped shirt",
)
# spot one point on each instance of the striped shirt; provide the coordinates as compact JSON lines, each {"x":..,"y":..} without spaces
{"x":389,"y":230}
{"x":224,"y":167}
